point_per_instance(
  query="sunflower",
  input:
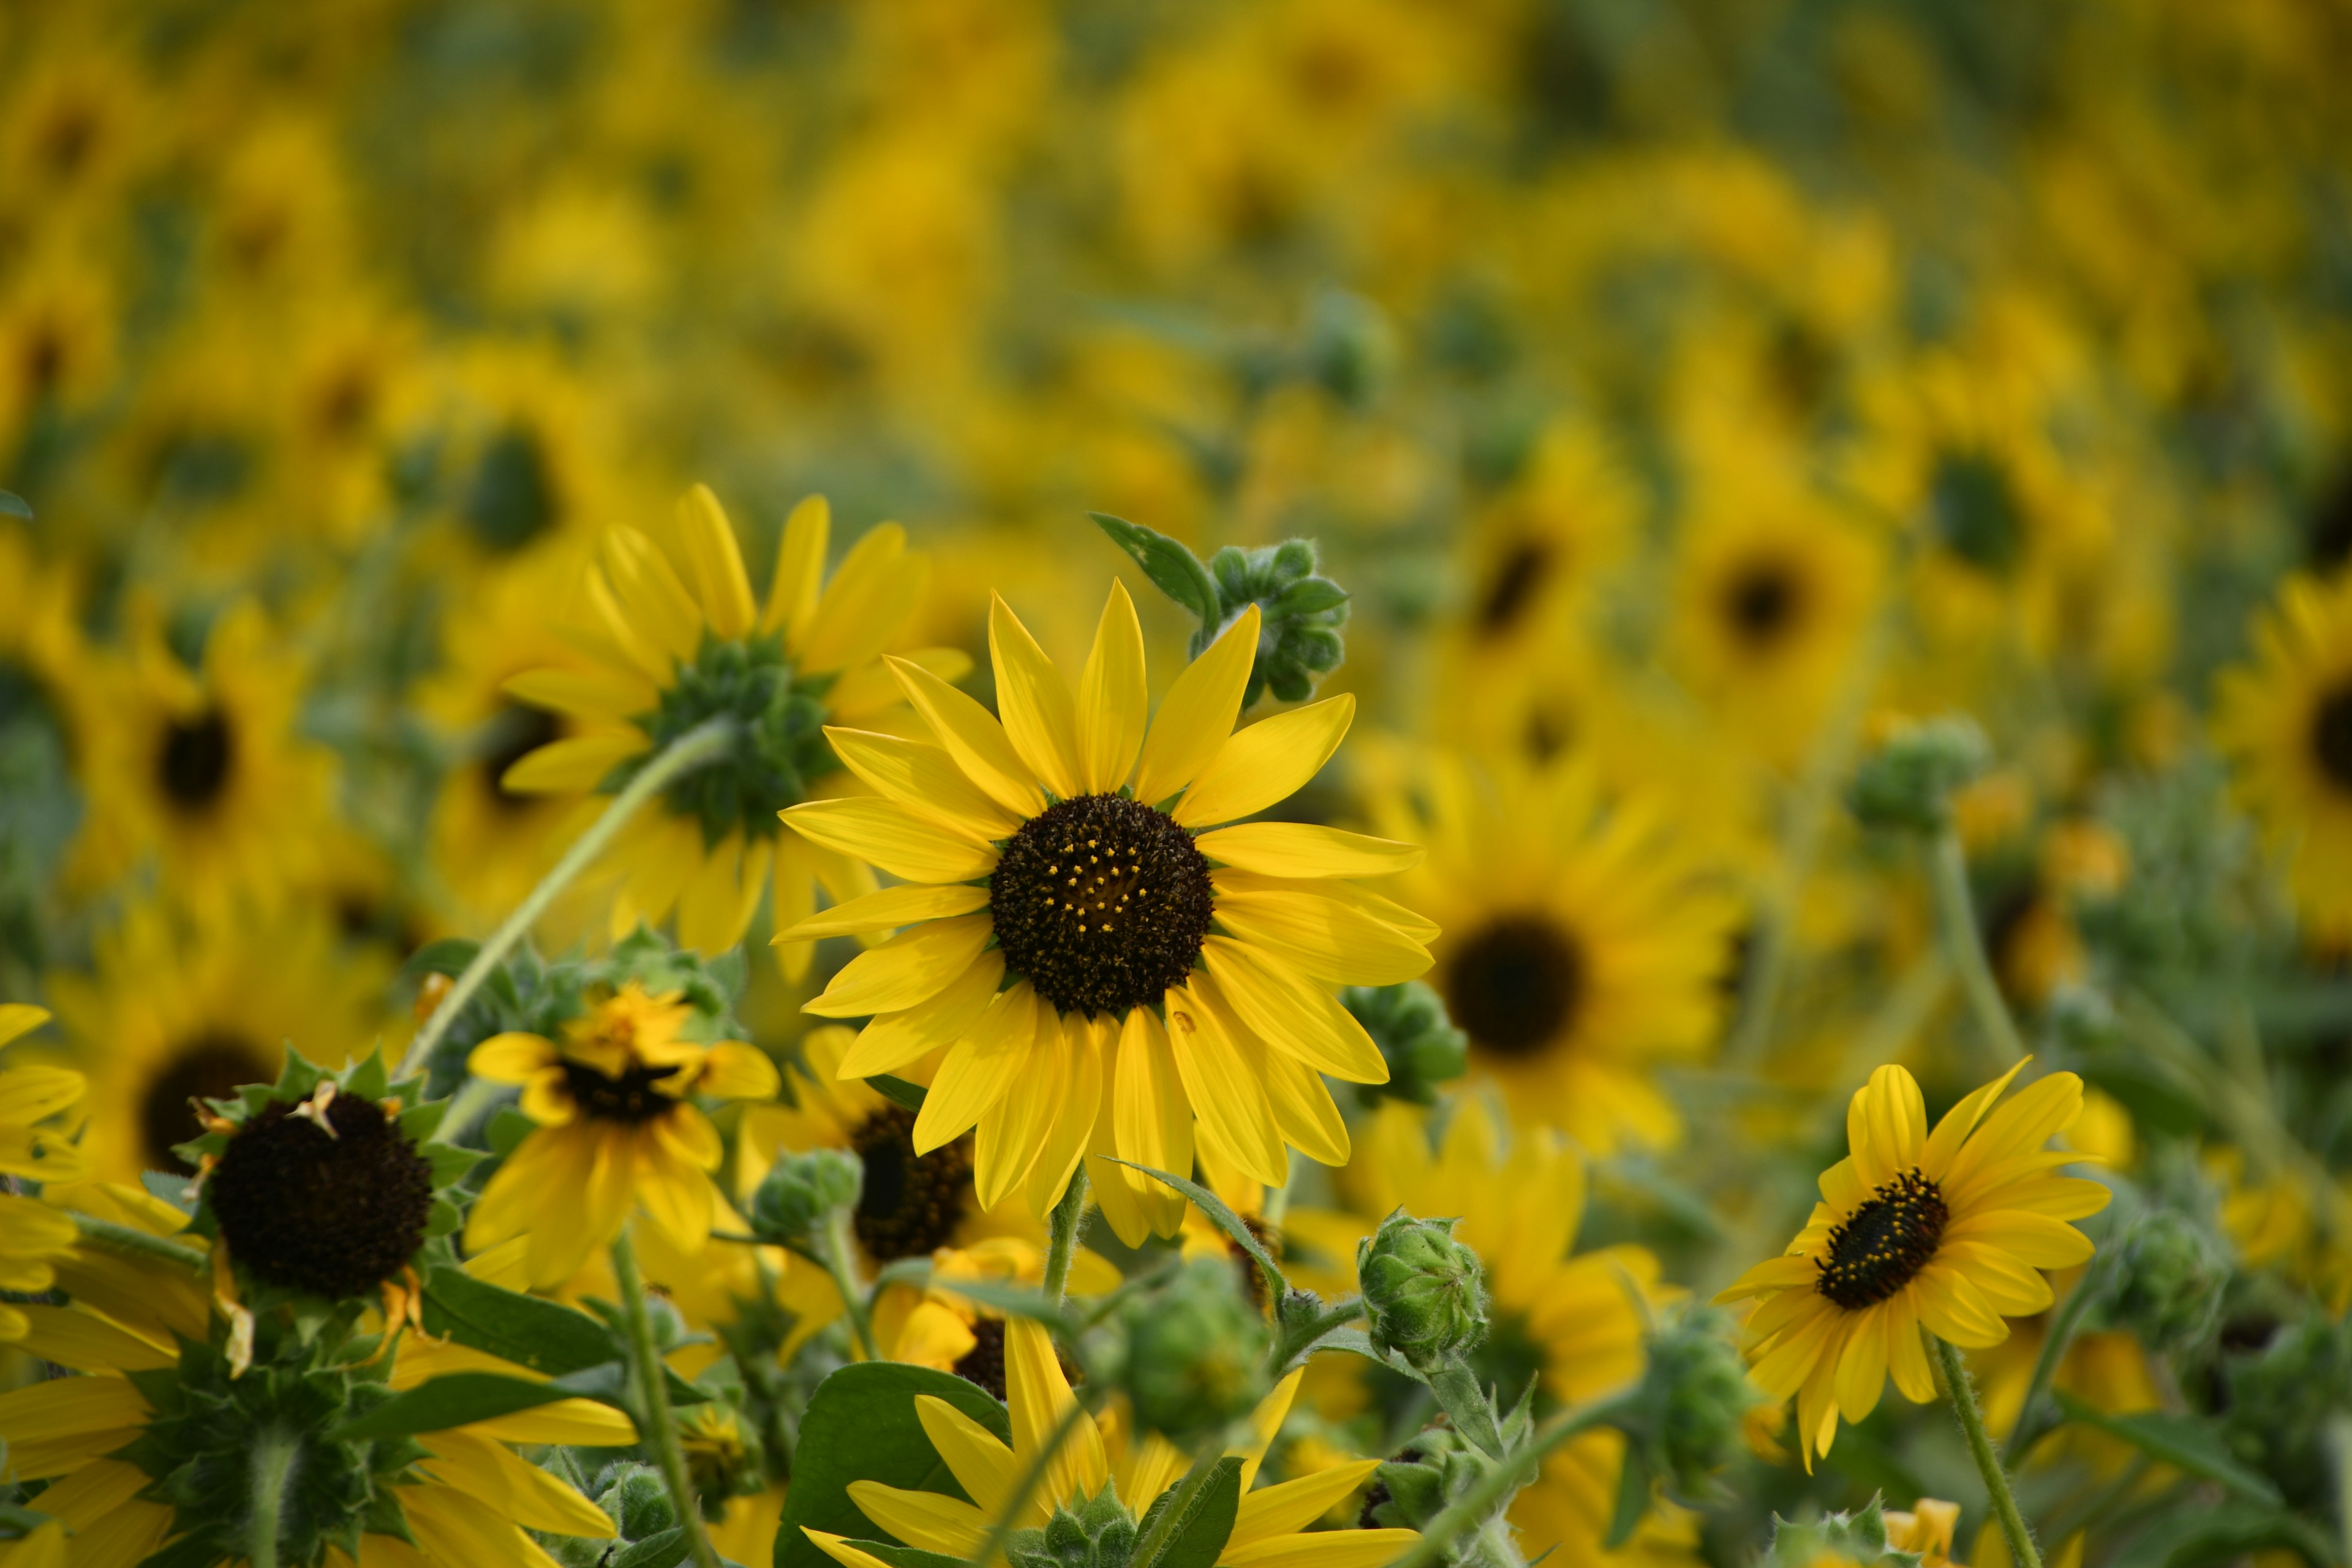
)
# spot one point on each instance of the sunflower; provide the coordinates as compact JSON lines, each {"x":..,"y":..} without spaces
{"x":467,"y":1501}
{"x":1582,"y":949}
{"x":32,"y":1235}
{"x":1107,"y":974}
{"x":936,"y":1325}
{"x":1570,"y":1323}
{"x":676,"y":640}
{"x":202,"y":768}
{"x":1939,"y":1231}
{"x":617,"y":1128}
{"x":2286,"y":721}
{"x":1268,"y":1528}
{"x":184,"y":1006}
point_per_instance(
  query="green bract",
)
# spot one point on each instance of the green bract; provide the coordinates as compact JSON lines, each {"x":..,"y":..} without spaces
{"x":779,"y":747}
{"x":1424,"y":1292}
{"x":1194,"y":1355}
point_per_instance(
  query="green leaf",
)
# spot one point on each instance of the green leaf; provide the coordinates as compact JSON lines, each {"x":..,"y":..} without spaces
{"x":1209,"y":1204}
{"x":1309,"y":597}
{"x":22,"y":1520}
{"x":1633,"y":1499}
{"x":1174,"y":570}
{"x":1356,"y":1341}
{"x":2181,"y":1440}
{"x":448,"y":956}
{"x":14,"y":505}
{"x":1189,"y":1525}
{"x":542,"y":1335}
{"x":2200,"y":1535}
{"x":861,"y":1425}
{"x":898,"y":1090}
{"x":456,"y":1398}
{"x":667,"y":1550}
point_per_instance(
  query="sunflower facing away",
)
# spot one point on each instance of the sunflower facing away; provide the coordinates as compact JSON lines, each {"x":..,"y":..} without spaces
{"x":1941,"y":1231}
{"x":1268,"y":1531}
{"x":1107,"y":975}
{"x":676,"y":639}
{"x":618,"y":1129}
{"x":2287,"y":722}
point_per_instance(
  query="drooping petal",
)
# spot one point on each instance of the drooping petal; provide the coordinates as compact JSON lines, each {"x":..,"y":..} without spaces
{"x":1235,"y":1116}
{"x":1074,"y":1093}
{"x":1197,"y":716}
{"x":1268,"y":762}
{"x":1303,"y":1109}
{"x":1152,"y":1119}
{"x":1291,"y":1506}
{"x":978,"y":1458}
{"x":929,"y":1522}
{"x":575,"y":763}
{"x":1036,"y":1395}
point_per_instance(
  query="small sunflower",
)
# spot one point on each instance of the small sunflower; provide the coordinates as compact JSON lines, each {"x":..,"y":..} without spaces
{"x":617,"y":1129}
{"x":1942,"y":1231}
{"x":1570,"y":1323}
{"x":1267,"y":1529}
{"x":1582,"y":949}
{"x":676,"y":640}
{"x":2288,"y":723}
{"x":1107,"y":974}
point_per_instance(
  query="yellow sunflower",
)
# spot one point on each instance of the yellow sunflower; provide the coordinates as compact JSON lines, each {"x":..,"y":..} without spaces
{"x":1943,"y":1232}
{"x":181,"y":1005}
{"x":2286,"y":721}
{"x":202,"y":768}
{"x":676,"y":640}
{"x":32,"y":1235}
{"x":1572,"y":1322}
{"x":617,"y":1129}
{"x":1582,"y":948}
{"x":468,"y":1502}
{"x":1108,"y":974}
{"x":1268,"y":1530}
{"x":939,"y":1326}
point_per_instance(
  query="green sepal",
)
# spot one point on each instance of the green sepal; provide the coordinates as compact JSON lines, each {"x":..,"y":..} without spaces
{"x":444,"y":1218}
{"x":542,"y":1335}
{"x":667,"y":1550}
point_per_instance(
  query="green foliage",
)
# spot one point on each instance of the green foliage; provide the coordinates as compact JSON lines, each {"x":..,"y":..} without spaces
{"x":1300,"y":613}
{"x":780,"y":748}
{"x":1424,"y":1292}
{"x":1423,"y":1048}
{"x":1193,"y":1352}
{"x":1908,"y":782}
{"x":801,"y":1190}
{"x":861,"y":1425}
{"x":1858,"y":1538}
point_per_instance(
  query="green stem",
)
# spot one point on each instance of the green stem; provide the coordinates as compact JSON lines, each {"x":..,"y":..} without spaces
{"x":2033,"y":1425}
{"x":699,"y":745}
{"x":274,"y":1452}
{"x":124,"y":1241}
{"x":1963,"y":1396}
{"x":653,"y":1393}
{"x":839,"y":1256}
{"x":1294,"y":1340}
{"x":1949,"y":865}
{"x":1065,"y":1243}
{"x":1017,"y":1501}
{"x":1496,"y":1487}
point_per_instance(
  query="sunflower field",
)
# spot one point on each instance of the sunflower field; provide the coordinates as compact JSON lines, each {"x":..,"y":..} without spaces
{"x":1262,"y":784}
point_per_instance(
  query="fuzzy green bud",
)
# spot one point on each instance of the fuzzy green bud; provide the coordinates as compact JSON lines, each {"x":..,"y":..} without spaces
{"x":1908,"y":782}
{"x":1194,"y":1353}
{"x":1428,"y":1475}
{"x":2173,"y":1273}
{"x":1351,"y":348}
{"x":1299,"y":616}
{"x":637,"y":1501}
{"x":800,"y":1190}
{"x":1090,"y":1533}
{"x":1685,"y":1420}
{"x":1424,"y":1292}
{"x":1416,"y":1038}
{"x":1858,"y":1538}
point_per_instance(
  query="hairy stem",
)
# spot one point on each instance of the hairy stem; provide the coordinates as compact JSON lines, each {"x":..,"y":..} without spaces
{"x":653,"y":1395}
{"x":124,"y":1241}
{"x":1065,"y":1244}
{"x":840,"y":1256}
{"x":274,"y":1452}
{"x":1496,"y":1487}
{"x":1949,"y":865}
{"x":699,"y":745}
{"x":1963,"y":1396}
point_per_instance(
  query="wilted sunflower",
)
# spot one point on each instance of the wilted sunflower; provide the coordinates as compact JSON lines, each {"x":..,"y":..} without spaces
{"x":1582,"y":949}
{"x":1269,"y":1529}
{"x":618,"y":1129}
{"x":676,"y":639}
{"x":1107,"y":974}
{"x":1942,"y":1231}
{"x":2288,"y":723}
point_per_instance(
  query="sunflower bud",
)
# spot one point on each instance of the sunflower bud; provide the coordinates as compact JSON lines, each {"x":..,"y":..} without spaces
{"x":1351,"y":348}
{"x":800,"y":1190}
{"x":1437,"y":1468}
{"x":1424,"y":1293}
{"x":1418,"y":1041}
{"x":1688,"y":1420}
{"x":1908,"y":783}
{"x":1194,"y":1357}
{"x":2173,"y":1273}
{"x":1299,"y":636}
{"x":1836,"y":1540}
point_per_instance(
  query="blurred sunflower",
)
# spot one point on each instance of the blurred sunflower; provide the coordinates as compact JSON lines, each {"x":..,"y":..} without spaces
{"x":1270,"y":1527}
{"x":202,"y":768}
{"x":1581,"y":950}
{"x":676,"y":640}
{"x":1943,"y":1233}
{"x":32,"y":1235}
{"x":617,"y":1130}
{"x":2286,"y":721}
{"x":181,"y":1006}
{"x":1059,"y":912}
{"x":1570,"y":1322}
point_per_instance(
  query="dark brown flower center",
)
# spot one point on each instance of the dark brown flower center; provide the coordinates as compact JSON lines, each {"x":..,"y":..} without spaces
{"x":1516,"y":984}
{"x":1763,"y":602}
{"x":1880,"y":1247}
{"x":2331,"y":736}
{"x":1102,"y":902}
{"x":517,"y":731}
{"x":1512,"y":587}
{"x":334,"y":1216}
{"x":984,"y":1363}
{"x":213,"y":1065}
{"x":631,"y":1098}
{"x":193,"y":762}
{"x":910,"y":1204}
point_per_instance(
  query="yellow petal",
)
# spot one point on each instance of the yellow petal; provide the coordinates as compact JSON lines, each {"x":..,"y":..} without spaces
{"x":842,"y":1550}
{"x":889,"y":836}
{"x":924,"y":779}
{"x":720,"y":893}
{"x":872,"y":687}
{"x":512,"y":1058}
{"x":1957,"y":1123}
{"x":800,"y":568}
{"x":1197,"y":716}
{"x":20,"y":1018}
{"x":1292,"y":1506}
{"x":927,"y":1521}
{"x":606,"y":694}
{"x":515,"y":1488}
{"x":1074,"y":1093}
{"x":971,"y":734}
{"x":72,"y":1337}
{"x":734,"y":1071}
{"x":34,"y":1091}
{"x":1036,"y":1395}
{"x":1267,"y":762}
{"x":657,"y":604}
{"x":718,"y":578}
{"x":1303,"y":1109}
{"x":890,"y":908}
{"x":1152,"y":1119}
{"x":979,"y":1459}
{"x":1291,"y":1015}
{"x":1305,"y":849}
{"x":893,"y":1040}
{"x":1040,"y":718}
{"x":1321,"y":937}
{"x":978,"y":1071}
{"x":581,"y":1421}
{"x":878,"y":585}
{"x":1322,"y":1548}
{"x":1111,"y":698}
{"x":575,"y":764}
{"x":909,"y":969}
{"x":1226,"y":1096}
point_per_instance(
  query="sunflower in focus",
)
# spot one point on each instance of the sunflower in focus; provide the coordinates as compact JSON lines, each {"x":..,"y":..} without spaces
{"x":1107,"y":973}
{"x":1582,"y":948}
{"x":676,"y":640}
{"x":1570,"y":1322}
{"x":1943,"y":1232}
{"x":618,"y":1129}
{"x":2286,"y":721}
{"x":1268,"y":1528}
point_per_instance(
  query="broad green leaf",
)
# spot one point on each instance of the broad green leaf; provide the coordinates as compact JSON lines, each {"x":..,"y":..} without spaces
{"x":2182,"y":1441}
{"x":1209,"y":1204}
{"x":15,"y":505}
{"x":1188,"y":1524}
{"x":457,"y":1399}
{"x":1173,"y":569}
{"x":542,"y":1335}
{"x":898,"y":1090}
{"x":861,"y":1425}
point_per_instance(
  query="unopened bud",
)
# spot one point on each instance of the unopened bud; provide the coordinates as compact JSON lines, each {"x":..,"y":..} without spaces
{"x":1908,"y":782}
{"x":1688,"y":1420}
{"x":638,"y":1501}
{"x":2174,"y":1272}
{"x":1194,"y":1357}
{"x":1836,"y":1540}
{"x":1424,"y":1292}
{"x":1300,"y":615}
{"x":802,"y":1190}
{"x":1418,"y":1041}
